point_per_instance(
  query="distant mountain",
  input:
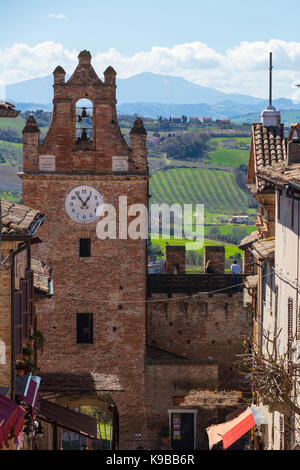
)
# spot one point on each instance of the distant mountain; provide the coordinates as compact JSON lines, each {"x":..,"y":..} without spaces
{"x":150,"y":87}
{"x":144,"y":87}
{"x":223,"y":110}
{"x":152,"y":95}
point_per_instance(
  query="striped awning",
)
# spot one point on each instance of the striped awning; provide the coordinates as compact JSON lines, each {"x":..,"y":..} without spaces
{"x":27,"y":390}
{"x":11,"y":419}
{"x":230,"y":431}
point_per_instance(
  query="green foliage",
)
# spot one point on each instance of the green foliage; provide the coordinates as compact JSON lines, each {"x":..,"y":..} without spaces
{"x":11,"y":153}
{"x":185,"y":146}
{"x":154,"y":250}
{"x":11,"y":196}
{"x":234,"y":237}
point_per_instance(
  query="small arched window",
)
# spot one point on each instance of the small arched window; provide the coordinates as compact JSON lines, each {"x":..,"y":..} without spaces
{"x":84,"y":123}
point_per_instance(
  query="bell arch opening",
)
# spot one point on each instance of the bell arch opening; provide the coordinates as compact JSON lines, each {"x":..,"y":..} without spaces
{"x":84,"y":127}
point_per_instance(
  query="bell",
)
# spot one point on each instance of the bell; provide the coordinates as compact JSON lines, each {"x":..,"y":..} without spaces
{"x":84,"y":113}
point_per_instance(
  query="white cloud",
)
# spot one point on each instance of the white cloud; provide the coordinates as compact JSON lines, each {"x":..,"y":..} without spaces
{"x":241,"y":69}
{"x":59,"y":16}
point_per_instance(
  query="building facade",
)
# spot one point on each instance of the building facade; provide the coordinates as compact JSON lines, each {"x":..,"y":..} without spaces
{"x":273,"y":255}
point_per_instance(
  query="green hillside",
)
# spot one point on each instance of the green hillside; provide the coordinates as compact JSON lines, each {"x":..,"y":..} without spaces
{"x":216,"y":189}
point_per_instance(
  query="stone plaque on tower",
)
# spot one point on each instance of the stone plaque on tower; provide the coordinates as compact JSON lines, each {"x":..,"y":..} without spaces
{"x":47,"y":163}
{"x":120,"y":164}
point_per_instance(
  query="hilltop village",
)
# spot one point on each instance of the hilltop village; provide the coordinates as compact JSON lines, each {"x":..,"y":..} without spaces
{"x":128,"y":342}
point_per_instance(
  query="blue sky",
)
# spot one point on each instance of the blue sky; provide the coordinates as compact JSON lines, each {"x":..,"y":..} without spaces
{"x":133,"y":25}
{"x":220,"y":44}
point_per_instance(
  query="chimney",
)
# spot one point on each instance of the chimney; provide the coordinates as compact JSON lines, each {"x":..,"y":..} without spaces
{"x":270,"y":117}
{"x":175,"y":259}
{"x":293,"y":144}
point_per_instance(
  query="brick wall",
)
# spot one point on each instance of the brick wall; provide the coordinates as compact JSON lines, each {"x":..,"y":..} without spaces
{"x":163,"y":382}
{"x":175,"y":259}
{"x":216,"y":254}
{"x":200,"y":328}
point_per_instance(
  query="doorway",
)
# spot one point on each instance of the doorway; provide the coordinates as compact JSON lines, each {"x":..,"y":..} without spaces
{"x":183,"y":429}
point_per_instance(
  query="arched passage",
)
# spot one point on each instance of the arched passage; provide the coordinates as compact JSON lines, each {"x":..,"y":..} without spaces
{"x":105,"y":411}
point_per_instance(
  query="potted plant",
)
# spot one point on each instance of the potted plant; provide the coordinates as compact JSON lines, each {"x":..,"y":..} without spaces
{"x":26,"y":353}
{"x":20,"y":368}
{"x":164,"y":436}
{"x":31,"y":340}
{"x":39,"y":340}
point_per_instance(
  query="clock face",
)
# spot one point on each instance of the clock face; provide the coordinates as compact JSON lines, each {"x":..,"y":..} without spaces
{"x":82,"y":203}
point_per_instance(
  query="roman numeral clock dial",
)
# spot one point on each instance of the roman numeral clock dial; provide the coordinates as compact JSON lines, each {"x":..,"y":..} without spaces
{"x":82,"y":203}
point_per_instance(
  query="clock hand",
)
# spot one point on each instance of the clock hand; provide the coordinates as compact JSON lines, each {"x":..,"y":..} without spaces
{"x":77,"y":193}
{"x":87,"y":199}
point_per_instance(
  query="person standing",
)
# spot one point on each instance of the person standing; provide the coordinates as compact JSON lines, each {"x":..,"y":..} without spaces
{"x":208,"y":267}
{"x":235,"y":269}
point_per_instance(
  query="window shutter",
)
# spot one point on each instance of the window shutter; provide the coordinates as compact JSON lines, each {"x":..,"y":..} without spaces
{"x":29,"y":278}
{"x":290,"y":326}
{"x":276,"y":312}
{"x":18,"y":303}
{"x":24,"y":289}
{"x":31,"y":315}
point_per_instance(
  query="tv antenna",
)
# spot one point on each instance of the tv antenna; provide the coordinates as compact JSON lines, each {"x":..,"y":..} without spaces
{"x":270,"y":80}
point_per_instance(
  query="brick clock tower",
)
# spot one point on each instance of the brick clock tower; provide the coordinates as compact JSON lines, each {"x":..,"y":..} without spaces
{"x":94,"y":324}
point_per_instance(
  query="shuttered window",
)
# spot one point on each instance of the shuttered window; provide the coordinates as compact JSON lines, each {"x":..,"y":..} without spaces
{"x":84,"y":328}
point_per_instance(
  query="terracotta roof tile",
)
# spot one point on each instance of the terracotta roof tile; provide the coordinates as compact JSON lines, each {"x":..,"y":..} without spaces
{"x":18,"y":219}
{"x":269,"y":147}
{"x":42,"y":275}
{"x":264,"y":249}
{"x":249,"y":239}
{"x":8,"y":110}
